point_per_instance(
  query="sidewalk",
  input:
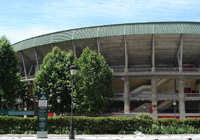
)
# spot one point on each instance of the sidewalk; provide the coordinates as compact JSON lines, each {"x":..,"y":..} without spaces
{"x":104,"y":137}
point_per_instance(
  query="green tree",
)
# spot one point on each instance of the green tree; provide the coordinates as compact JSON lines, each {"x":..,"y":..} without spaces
{"x":22,"y":92}
{"x":93,"y":83}
{"x":9,"y":73}
{"x":54,"y":78}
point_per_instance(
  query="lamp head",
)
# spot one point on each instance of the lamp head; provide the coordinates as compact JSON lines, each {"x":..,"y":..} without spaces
{"x":58,"y":99}
{"x":174,"y":102}
{"x":72,"y":70}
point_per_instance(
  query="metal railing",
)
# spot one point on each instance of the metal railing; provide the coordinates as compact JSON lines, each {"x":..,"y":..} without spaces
{"x":191,"y":69}
{"x":166,"y":96}
{"x":141,"y":96}
{"x":161,"y":96}
{"x":139,"y":69}
{"x":174,"y":69}
{"x":118,"y":70}
{"x":166,"y":69}
{"x":192,"y":95}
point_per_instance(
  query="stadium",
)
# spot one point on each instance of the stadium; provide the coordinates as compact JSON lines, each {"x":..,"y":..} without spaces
{"x":156,"y":65}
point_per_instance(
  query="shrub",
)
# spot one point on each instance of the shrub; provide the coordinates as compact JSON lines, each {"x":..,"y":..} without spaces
{"x":100,"y":125}
{"x":192,"y":122}
{"x":13,"y":125}
{"x":144,"y":116}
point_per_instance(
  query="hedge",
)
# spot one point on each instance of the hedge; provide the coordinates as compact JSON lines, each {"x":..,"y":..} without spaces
{"x":100,"y":125}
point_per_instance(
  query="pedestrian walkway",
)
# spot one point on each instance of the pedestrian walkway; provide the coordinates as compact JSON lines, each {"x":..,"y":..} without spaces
{"x":104,"y":137}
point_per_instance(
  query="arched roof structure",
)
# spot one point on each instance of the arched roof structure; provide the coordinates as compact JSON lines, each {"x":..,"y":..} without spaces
{"x":132,"y":45}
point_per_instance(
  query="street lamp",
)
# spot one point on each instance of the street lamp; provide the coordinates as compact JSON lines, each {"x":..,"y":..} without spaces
{"x":19,"y":101}
{"x":174,"y":103}
{"x":144,"y":107}
{"x":2,"y":100}
{"x":72,"y":73}
{"x":58,"y":101}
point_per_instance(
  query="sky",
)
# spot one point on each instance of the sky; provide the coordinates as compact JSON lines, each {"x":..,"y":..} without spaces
{"x":22,"y":19}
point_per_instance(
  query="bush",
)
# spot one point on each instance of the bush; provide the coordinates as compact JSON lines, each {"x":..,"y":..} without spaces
{"x":100,"y":125}
{"x":17,"y":125}
{"x":192,"y":122}
{"x":169,"y":122}
{"x":144,"y":116}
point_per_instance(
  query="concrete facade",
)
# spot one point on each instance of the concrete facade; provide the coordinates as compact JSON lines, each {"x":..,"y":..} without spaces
{"x":146,"y":59}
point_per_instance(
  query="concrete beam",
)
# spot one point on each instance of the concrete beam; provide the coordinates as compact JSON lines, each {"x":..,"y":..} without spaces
{"x":38,"y":53}
{"x":27,"y":58}
{"x":157,"y":75}
{"x":153,"y":54}
{"x":75,"y":48}
{"x":179,"y":54}
{"x":126,"y":55}
{"x":98,"y":46}
{"x":36,"y":58}
{"x":23,"y":64}
{"x":30,"y":70}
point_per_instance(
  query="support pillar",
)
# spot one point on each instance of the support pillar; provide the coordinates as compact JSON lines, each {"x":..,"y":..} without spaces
{"x":98,"y":45}
{"x":126,"y":96}
{"x":154,"y":98}
{"x":126,"y":55}
{"x":153,"y":55}
{"x":24,"y":65}
{"x":36,"y":58}
{"x":180,"y":54}
{"x":181,"y":99}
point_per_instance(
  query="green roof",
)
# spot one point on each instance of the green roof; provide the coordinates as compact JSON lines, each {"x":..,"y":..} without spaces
{"x":111,"y":30}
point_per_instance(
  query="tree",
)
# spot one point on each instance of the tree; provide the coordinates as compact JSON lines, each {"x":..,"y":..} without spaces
{"x":22,"y":92}
{"x":93,"y":83}
{"x":54,"y":78}
{"x":9,"y":73}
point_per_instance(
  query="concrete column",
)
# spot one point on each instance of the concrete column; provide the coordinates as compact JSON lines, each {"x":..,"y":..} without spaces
{"x":154,"y":98}
{"x":37,"y":68}
{"x":126,"y":55}
{"x":181,"y":55}
{"x":24,"y":65}
{"x":98,"y":45}
{"x":181,"y":99}
{"x":153,"y":55}
{"x":126,"y":96}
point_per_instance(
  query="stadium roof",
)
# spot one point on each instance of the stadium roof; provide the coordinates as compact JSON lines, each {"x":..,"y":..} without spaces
{"x":110,"y":30}
{"x":132,"y":45}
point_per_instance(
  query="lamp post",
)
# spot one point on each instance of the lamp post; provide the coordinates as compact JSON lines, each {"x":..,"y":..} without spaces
{"x":58,"y":101}
{"x":19,"y":101}
{"x":72,"y":73}
{"x":2,"y":100}
{"x":144,"y":107}
{"x":174,"y":103}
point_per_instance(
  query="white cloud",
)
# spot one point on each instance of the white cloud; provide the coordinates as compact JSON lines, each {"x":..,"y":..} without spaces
{"x":27,"y":18}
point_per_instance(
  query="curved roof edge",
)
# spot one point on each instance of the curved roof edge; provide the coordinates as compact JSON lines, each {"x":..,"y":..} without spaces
{"x":183,"y":27}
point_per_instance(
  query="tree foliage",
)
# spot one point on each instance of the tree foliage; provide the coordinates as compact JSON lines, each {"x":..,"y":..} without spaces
{"x":22,"y":92}
{"x":9,"y":73}
{"x":93,"y":83}
{"x":54,"y":77}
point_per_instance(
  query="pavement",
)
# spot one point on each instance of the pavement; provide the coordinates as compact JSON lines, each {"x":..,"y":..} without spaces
{"x":103,"y":137}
